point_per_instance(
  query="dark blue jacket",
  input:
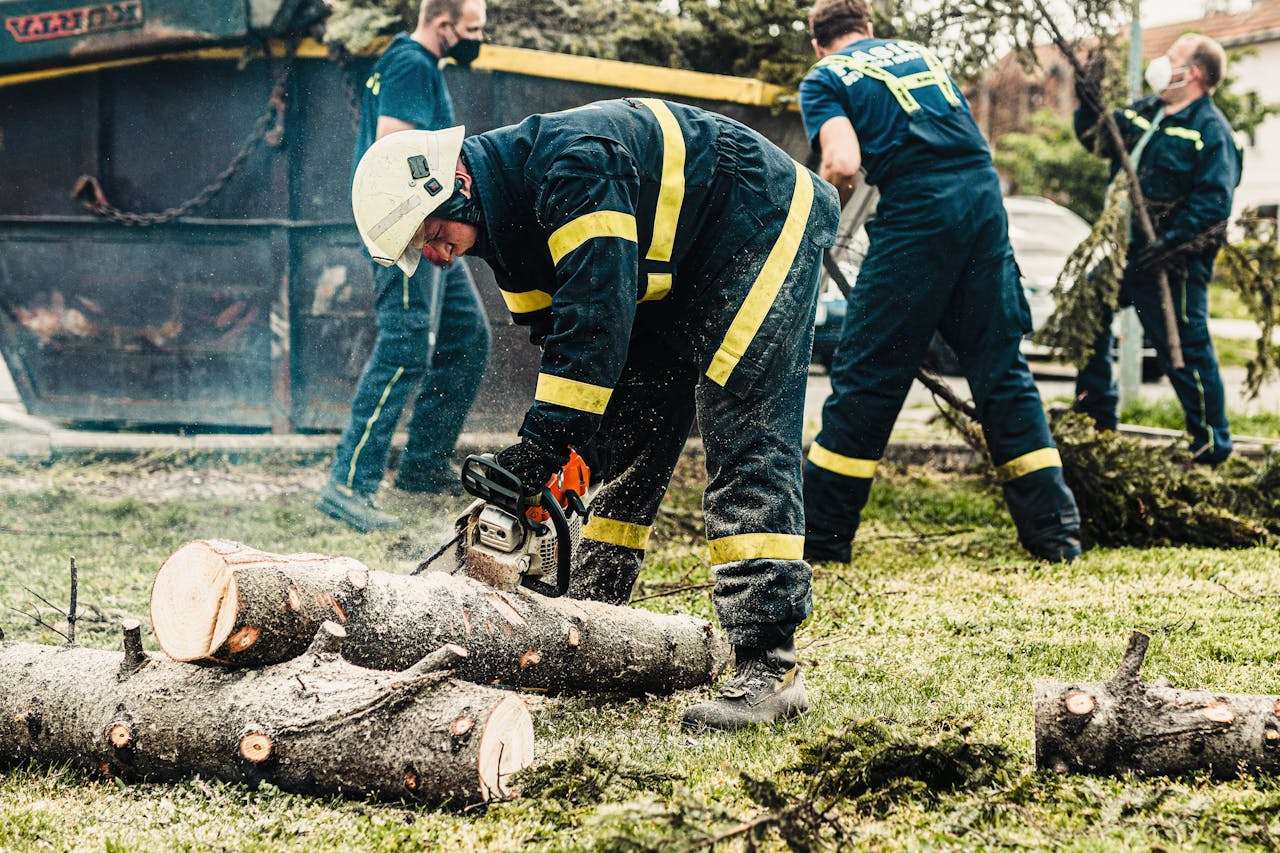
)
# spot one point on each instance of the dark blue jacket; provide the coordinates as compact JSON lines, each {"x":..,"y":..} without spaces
{"x":1189,"y":170}
{"x":598,"y":216}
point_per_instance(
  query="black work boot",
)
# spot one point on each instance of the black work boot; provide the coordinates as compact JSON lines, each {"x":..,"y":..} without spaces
{"x":767,"y":686}
{"x":354,"y":509}
{"x":421,"y":479}
{"x":826,"y":548}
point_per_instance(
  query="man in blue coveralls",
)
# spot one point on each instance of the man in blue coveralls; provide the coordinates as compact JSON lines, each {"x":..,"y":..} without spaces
{"x":1189,"y":165}
{"x":939,"y":260}
{"x":432,"y":329}
{"x":667,"y":259}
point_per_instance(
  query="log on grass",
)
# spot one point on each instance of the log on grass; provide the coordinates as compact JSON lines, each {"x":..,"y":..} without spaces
{"x":316,"y":724}
{"x":518,"y":639}
{"x":1125,"y":725}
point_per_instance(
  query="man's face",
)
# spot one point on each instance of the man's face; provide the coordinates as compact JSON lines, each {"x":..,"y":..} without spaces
{"x":1185,"y":74}
{"x":442,"y":240}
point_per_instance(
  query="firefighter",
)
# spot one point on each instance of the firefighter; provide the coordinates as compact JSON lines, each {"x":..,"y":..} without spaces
{"x":939,"y":260}
{"x":1189,"y":165}
{"x":433,"y":335}
{"x":666,"y":259}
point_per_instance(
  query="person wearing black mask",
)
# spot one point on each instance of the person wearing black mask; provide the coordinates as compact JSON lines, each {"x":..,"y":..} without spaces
{"x":432,"y":330}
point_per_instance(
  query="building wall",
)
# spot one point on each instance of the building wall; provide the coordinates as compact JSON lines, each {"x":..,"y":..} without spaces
{"x":1261,"y":181}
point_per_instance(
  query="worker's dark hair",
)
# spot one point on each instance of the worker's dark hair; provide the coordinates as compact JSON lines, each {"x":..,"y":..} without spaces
{"x":1210,"y":58}
{"x":832,"y":19}
{"x":432,"y":9}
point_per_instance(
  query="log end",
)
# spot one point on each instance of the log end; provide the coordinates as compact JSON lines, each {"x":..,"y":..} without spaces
{"x":506,"y":747}
{"x":194,"y":602}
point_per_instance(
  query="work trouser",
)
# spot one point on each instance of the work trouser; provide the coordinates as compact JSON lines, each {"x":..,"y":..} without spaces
{"x":753,"y":505}
{"x":1198,"y":384}
{"x":939,"y":260}
{"x":431,"y":329}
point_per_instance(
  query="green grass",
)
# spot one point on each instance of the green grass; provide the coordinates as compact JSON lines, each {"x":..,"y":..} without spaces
{"x":1168,"y":414}
{"x":941,"y":623}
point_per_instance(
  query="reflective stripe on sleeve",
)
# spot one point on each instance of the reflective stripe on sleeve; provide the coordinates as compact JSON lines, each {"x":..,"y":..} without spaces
{"x":526,"y":302}
{"x":659,"y":285}
{"x":848,"y":466}
{"x":1027,"y":463}
{"x":602,"y":223}
{"x":572,"y":394}
{"x":760,"y":298}
{"x":756,"y":546}
{"x":666,"y":215}
{"x":614,"y":532}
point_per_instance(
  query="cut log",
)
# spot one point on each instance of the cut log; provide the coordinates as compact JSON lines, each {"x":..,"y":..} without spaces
{"x":316,"y":724}
{"x":207,"y":594}
{"x":1124,"y":725}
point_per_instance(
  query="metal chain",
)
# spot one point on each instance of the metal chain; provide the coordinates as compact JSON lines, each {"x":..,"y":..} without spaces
{"x":269,"y":128}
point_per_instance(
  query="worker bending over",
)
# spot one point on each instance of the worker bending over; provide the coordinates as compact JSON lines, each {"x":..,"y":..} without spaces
{"x":939,"y":260}
{"x":666,"y":258}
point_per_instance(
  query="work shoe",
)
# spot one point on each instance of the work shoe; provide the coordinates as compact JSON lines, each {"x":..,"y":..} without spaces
{"x":1061,"y":547}
{"x":420,"y":479}
{"x":767,"y":686}
{"x":354,"y":509}
{"x":825,"y":548}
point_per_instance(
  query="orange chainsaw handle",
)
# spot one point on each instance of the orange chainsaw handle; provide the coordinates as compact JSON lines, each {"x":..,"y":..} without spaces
{"x":574,"y":478}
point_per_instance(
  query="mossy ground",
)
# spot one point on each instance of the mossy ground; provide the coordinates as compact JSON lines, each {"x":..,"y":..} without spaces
{"x":941,"y":623}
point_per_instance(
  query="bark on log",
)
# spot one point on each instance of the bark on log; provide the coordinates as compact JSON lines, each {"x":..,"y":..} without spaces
{"x":1124,"y":725}
{"x":518,"y":639}
{"x":316,"y":724}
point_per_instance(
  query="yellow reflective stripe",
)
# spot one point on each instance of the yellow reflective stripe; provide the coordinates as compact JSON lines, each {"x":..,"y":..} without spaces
{"x":659,"y":286}
{"x":602,"y":223}
{"x":368,"y":426}
{"x":1138,"y":120}
{"x":941,"y":79}
{"x":666,"y":215}
{"x":614,"y":532}
{"x":848,"y":466}
{"x":1188,"y":134}
{"x":527,"y":301}
{"x":572,"y":394}
{"x":1027,"y":463}
{"x":767,"y":284}
{"x":756,"y":546}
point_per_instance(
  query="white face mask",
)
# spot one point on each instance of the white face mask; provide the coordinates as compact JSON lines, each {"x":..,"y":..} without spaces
{"x":1160,"y":75}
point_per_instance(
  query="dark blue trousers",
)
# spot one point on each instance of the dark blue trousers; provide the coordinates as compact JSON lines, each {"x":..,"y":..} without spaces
{"x":1198,"y":385}
{"x":940,"y":261}
{"x":433,"y":337}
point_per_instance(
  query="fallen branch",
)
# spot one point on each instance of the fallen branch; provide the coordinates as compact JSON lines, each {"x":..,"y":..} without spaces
{"x":1124,"y":725}
{"x":316,"y":725}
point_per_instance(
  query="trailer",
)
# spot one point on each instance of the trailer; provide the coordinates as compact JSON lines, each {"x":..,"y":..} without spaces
{"x":252,"y":309}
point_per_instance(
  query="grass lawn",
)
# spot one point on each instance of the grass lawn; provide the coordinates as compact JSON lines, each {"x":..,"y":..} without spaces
{"x":1168,"y":414}
{"x":936,"y":631}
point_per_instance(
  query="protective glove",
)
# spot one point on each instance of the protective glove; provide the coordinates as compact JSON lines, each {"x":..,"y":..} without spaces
{"x":1155,"y":256}
{"x":532,"y":464}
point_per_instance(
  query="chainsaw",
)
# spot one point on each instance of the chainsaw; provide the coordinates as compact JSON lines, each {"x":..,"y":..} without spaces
{"x":506,"y":540}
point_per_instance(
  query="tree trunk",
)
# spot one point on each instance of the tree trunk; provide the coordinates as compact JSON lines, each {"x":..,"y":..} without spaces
{"x":1124,"y":725}
{"x":518,"y":639}
{"x":316,"y":724}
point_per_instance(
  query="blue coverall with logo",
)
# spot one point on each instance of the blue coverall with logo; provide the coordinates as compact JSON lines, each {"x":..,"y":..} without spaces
{"x":1189,"y":167}
{"x":939,"y":260}
{"x":668,"y":257}
{"x":433,"y":335}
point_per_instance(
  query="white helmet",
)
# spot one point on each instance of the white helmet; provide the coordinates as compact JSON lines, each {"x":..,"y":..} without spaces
{"x":400,"y":180}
